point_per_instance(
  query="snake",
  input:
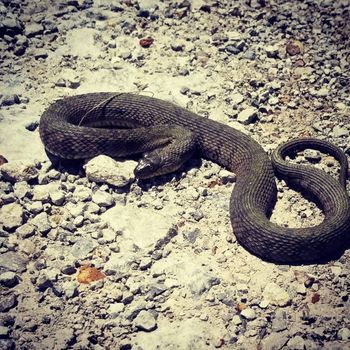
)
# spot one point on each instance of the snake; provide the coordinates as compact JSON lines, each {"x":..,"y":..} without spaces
{"x":166,"y":135}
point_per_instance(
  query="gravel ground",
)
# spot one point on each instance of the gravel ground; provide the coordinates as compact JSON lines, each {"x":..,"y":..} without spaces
{"x":99,"y":260}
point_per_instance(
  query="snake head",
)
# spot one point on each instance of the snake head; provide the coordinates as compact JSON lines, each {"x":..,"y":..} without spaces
{"x":148,"y":166}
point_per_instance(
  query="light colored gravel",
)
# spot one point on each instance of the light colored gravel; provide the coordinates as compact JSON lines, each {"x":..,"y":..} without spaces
{"x":173,"y":275}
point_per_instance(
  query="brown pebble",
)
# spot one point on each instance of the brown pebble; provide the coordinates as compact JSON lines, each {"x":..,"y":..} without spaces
{"x":147,"y":42}
{"x":299,"y":63}
{"x":294,"y":47}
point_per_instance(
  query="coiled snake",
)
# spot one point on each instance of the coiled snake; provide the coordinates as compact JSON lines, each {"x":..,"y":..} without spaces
{"x":86,"y":125}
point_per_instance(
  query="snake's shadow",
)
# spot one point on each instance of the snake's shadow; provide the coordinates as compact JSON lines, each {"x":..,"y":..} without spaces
{"x":76,"y":167}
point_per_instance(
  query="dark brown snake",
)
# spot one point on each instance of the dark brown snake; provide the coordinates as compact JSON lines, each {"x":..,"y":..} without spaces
{"x":86,"y":125}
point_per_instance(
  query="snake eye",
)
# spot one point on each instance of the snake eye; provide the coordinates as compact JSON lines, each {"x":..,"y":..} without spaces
{"x":148,"y":166}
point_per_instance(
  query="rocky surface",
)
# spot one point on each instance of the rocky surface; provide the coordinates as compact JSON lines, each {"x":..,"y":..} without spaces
{"x":109,"y":262}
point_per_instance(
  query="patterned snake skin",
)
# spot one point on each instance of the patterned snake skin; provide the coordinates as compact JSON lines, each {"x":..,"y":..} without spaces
{"x":82,"y":127}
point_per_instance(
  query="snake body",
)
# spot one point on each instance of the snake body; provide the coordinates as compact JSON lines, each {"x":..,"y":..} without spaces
{"x":83,"y":126}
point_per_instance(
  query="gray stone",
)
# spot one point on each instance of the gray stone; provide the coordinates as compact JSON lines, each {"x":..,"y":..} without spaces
{"x":145,"y":321}
{"x":8,"y":279}
{"x":301,"y":289}
{"x":279,"y":322}
{"x":13,"y":25}
{"x":41,"y":222}
{"x":32,"y":126}
{"x":13,"y":262}
{"x":9,"y":100}
{"x":43,"y":281}
{"x":102,"y":198}
{"x":19,"y":171}
{"x":35,"y":207}
{"x":82,"y":247}
{"x":68,"y":269}
{"x":70,"y":289}
{"x":275,"y":341}
{"x":296,"y":343}
{"x":247,"y":116}
{"x":341,"y":106}
{"x":134,"y":309}
{"x":33,"y":29}
{"x":312,"y":155}
{"x":7,"y":344}
{"x":249,"y":55}
{"x":7,"y":302}
{"x":125,"y":55}
{"x":103,"y":169}
{"x":25,"y":231}
{"x":40,"y":53}
{"x":202,"y":281}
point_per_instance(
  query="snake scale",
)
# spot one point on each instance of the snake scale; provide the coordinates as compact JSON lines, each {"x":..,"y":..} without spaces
{"x":120,"y":124}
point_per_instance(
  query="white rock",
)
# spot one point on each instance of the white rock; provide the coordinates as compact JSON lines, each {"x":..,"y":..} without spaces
{"x":25,"y":231}
{"x":344,"y":334}
{"x":341,"y":106}
{"x":301,"y":289}
{"x":41,"y":221}
{"x":11,"y":216}
{"x":336,"y":270}
{"x":42,"y":192}
{"x":323,"y":92}
{"x":145,"y":321}
{"x":247,"y":116}
{"x":275,"y":295}
{"x":115,"y":309}
{"x":339,"y":131}
{"x":148,"y":5}
{"x":102,"y":198}
{"x":19,"y":171}
{"x":21,"y":189}
{"x":237,"y":98}
{"x":82,"y":193}
{"x":103,"y":169}
{"x":236,"y":320}
{"x":248,"y":314}
{"x":57,"y":197}
{"x":8,"y":279}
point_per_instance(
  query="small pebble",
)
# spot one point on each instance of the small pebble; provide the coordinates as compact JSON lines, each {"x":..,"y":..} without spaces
{"x":145,"y":321}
